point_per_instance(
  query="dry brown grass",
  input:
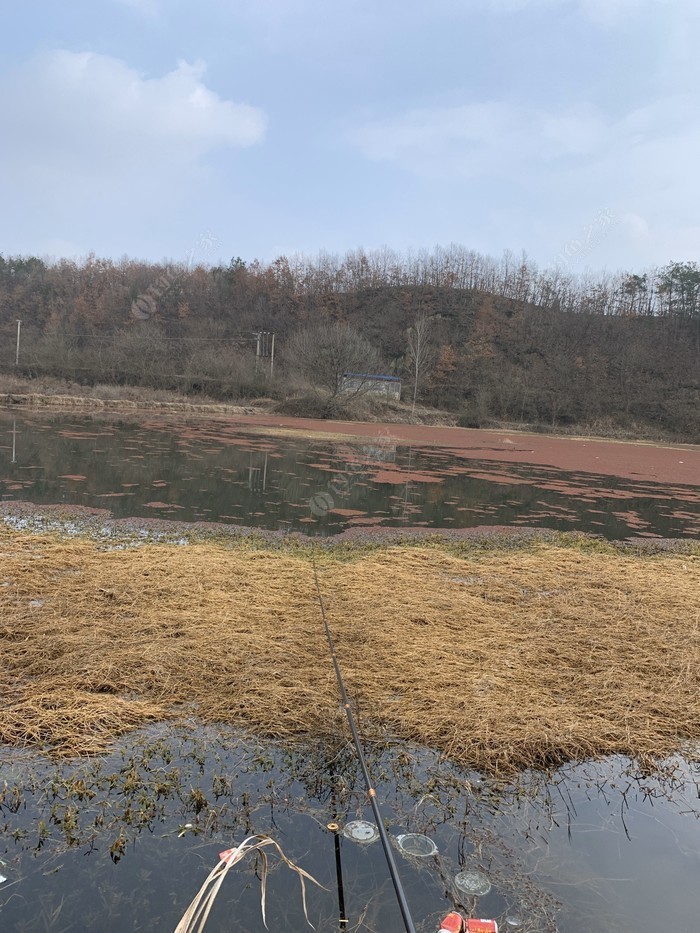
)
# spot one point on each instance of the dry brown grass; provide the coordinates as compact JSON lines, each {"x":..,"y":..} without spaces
{"x":503,"y":659}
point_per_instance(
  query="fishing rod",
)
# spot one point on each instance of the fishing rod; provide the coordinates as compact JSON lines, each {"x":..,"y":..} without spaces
{"x":334,"y":827}
{"x":371,"y":792}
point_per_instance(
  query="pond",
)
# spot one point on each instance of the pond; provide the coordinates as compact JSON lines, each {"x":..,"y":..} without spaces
{"x":124,"y":842}
{"x":215,"y":471}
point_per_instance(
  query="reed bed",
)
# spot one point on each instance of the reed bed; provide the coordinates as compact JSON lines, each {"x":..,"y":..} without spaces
{"x":504,"y":660}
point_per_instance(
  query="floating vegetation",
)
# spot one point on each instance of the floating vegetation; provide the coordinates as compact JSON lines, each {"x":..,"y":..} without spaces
{"x":219,"y":470}
{"x":551,"y":654}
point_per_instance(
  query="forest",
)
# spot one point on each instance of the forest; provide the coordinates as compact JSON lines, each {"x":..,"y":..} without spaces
{"x":491,"y":341}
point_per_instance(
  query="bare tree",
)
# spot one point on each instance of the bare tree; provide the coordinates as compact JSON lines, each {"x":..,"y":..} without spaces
{"x":419,"y":352}
{"x":324,"y":353}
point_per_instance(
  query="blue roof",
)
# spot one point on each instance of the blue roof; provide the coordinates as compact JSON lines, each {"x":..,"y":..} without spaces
{"x":371,"y":376}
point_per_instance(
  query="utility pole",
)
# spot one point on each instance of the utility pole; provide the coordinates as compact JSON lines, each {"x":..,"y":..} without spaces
{"x":264,"y":348}
{"x":257,"y":349}
{"x":19,"y":325}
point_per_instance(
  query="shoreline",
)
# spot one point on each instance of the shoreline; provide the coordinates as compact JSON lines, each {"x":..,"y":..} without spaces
{"x":294,"y":424}
{"x":639,"y":460}
{"x":84,"y":522}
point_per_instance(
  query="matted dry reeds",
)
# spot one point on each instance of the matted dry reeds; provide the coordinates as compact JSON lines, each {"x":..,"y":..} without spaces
{"x":502,"y":659}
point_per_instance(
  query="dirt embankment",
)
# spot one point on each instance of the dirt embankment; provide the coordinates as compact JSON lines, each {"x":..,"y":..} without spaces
{"x":89,"y":403}
{"x":365,"y":410}
{"x":502,"y":659}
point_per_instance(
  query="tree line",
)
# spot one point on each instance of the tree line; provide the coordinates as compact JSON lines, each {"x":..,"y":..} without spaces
{"x":489,"y":339}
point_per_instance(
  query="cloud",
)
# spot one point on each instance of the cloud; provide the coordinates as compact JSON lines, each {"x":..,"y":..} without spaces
{"x":70,"y":111}
{"x":497,"y":138}
{"x":92,"y":145}
{"x":490,"y":138}
{"x":570,"y":162}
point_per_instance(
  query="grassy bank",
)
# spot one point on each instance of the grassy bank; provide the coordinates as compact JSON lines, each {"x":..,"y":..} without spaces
{"x":57,"y":394}
{"x":502,"y":659}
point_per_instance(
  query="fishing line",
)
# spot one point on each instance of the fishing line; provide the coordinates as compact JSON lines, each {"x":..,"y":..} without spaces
{"x":371,"y":792}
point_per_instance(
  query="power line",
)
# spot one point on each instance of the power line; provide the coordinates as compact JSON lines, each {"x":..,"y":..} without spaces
{"x":156,"y":337}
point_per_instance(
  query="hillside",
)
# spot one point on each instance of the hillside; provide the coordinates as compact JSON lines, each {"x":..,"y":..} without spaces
{"x":499,"y":341}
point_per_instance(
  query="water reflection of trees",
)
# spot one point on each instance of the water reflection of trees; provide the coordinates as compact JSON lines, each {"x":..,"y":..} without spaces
{"x":207,"y":470}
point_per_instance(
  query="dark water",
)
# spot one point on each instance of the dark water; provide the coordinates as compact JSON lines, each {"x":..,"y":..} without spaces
{"x":210,"y":471}
{"x":125,"y":842}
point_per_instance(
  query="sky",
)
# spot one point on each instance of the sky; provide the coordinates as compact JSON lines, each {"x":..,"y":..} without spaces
{"x":167,"y":129}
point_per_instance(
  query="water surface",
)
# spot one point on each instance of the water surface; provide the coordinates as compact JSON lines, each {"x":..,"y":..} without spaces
{"x":213,"y":471}
{"x":124,"y":842}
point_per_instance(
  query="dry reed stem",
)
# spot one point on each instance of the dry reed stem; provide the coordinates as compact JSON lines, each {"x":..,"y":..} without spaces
{"x":503,"y":660}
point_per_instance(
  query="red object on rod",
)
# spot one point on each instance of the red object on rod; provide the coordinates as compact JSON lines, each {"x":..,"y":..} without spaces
{"x":455,"y":923}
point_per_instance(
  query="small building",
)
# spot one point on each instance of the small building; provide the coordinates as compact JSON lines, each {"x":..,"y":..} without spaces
{"x":388,"y":386}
